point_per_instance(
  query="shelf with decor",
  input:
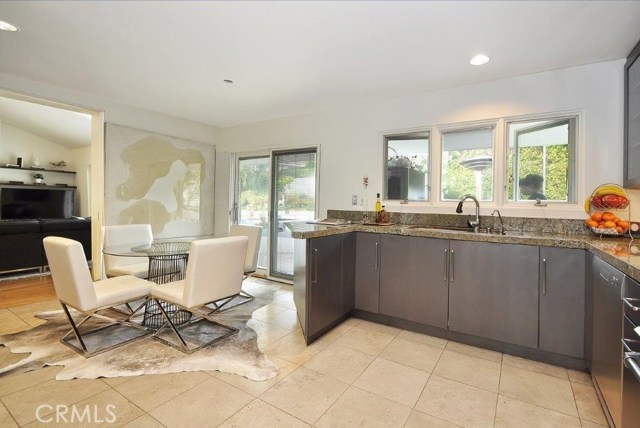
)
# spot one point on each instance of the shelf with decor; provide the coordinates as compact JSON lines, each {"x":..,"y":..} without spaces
{"x":41,"y":170}
{"x":39,"y":185}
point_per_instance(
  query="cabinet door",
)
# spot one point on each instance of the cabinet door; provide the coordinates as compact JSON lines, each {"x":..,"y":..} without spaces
{"x":413,"y":279}
{"x":562,"y":301}
{"x":348,"y":301}
{"x":325,"y":278}
{"x":632,"y":120}
{"x":367,"y":271}
{"x":493,"y":291}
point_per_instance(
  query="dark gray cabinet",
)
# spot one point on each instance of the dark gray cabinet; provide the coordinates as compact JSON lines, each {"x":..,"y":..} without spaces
{"x":323,"y":287}
{"x":325,"y":282}
{"x":493,"y":291}
{"x":367,"y":276}
{"x":562,"y":301}
{"x":348,"y":293}
{"x":414,"y":279}
{"x":632,"y":119}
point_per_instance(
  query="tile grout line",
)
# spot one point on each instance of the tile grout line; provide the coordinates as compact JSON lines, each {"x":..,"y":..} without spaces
{"x":165,"y":402}
{"x":495,"y":413}
{"x":9,"y":413}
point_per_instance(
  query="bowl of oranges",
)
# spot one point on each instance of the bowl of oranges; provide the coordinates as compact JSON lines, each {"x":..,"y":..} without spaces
{"x":607,"y":223}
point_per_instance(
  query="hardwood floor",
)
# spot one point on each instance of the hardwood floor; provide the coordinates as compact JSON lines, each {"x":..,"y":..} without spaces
{"x":24,"y":291}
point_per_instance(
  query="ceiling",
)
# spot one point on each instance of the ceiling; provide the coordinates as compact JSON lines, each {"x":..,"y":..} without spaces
{"x":290,"y":57}
{"x":67,"y":128}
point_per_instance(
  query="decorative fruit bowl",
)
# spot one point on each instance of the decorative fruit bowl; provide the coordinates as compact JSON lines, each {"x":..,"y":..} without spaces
{"x":607,"y":209}
{"x":607,"y":196}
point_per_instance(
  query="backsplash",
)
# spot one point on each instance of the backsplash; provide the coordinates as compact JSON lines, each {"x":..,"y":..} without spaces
{"x":522,"y":224}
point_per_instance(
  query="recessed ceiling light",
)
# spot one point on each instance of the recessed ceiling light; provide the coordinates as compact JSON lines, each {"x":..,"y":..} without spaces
{"x":479,"y":59}
{"x":228,"y":81}
{"x":6,"y":26}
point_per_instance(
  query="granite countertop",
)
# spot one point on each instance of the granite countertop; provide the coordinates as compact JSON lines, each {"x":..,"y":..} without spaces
{"x":620,"y":252}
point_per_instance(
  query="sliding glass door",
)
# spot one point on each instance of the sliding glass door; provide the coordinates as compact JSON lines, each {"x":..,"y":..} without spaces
{"x":270,"y":190}
{"x":293,"y":198}
{"x":252,"y":199}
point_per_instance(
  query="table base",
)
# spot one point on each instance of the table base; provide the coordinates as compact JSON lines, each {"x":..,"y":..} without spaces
{"x":162,"y":270}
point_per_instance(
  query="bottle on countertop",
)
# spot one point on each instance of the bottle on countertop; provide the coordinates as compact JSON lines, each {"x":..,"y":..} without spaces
{"x":382,"y":216}
{"x":378,"y":204}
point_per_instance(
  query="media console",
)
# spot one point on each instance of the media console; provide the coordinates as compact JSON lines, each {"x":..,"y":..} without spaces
{"x":21,"y":241}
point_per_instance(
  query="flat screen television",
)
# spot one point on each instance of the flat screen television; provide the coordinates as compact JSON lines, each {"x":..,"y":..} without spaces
{"x":17,"y":202}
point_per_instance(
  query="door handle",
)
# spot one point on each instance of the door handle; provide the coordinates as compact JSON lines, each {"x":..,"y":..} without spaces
{"x":543,"y":278}
{"x":451,"y":266}
{"x":627,"y":301}
{"x":446,"y":264}
{"x":315,"y":266}
{"x":376,"y":265}
{"x":632,"y":364}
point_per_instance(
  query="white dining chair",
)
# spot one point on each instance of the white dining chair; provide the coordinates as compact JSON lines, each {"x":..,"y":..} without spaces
{"x":254,"y":235}
{"x":123,"y":235}
{"x":75,"y":289}
{"x":214,"y":272}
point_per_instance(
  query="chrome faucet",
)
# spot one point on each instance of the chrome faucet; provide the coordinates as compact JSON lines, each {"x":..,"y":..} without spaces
{"x":501,"y":229}
{"x":475,"y":224}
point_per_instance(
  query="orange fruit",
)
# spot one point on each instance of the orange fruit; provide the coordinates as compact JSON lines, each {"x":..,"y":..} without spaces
{"x":623,"y":224}
{"x":608,"y":216}
{"x":596,"y":216}
{"x":591,"y":223}
{"x":615,"y":220}
{"x":609,"y":224}
{"x":619,"y":230}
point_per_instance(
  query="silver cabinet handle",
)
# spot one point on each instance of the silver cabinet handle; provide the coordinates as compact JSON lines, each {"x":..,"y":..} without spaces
{"x":315,"y":266}
{"x":452,"y":267}
{"x":377,"y":262}
{"x":627,"y":301}
{"x":446,"y":264}
{"x":543,"y":278}
{"x":631,"y":363}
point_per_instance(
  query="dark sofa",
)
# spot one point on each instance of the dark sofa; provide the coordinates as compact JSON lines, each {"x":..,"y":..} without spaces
{"x":21,"y":240}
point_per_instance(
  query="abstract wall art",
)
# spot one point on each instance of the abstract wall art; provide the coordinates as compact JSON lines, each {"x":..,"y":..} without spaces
{"x":165,"y":181}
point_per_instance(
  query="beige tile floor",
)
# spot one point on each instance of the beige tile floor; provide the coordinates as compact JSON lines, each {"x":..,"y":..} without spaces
{"x":360,"y":374}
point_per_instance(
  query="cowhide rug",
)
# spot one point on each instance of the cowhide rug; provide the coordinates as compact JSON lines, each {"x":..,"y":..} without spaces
{"x":238,"y":354}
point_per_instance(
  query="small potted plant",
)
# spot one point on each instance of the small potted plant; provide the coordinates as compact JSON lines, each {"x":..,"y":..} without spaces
{"x":37,"y":178}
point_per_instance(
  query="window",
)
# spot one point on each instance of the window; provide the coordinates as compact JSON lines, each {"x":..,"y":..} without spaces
{"x":541,"y":159}
{"x":467,"y":164}
{"x":407,"y":166}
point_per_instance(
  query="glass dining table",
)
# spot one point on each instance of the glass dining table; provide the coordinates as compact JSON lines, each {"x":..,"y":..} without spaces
{"x":167,"y":263}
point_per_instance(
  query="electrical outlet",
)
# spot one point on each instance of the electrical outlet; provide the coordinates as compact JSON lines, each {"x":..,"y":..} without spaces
{"x":354,"y":200}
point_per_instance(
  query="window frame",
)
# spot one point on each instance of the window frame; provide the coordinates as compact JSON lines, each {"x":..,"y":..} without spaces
{"x":463,"y":127}
{"x":407,"y":135}
{"x":574,"y":120}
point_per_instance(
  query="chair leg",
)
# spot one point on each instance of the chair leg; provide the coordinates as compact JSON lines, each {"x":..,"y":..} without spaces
{"x":75,"y":329}
{"x":171,"y":325}
{"x":223,"y":307}
{"x":184,"y":347}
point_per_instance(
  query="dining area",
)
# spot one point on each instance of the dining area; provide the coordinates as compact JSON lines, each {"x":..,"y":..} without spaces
{"x":175,"y":290}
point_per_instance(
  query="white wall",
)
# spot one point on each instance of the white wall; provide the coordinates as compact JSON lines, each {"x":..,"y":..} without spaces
{"x":115,"y":112}
{"x":350,"y":137}
{"x":16,"y":142}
